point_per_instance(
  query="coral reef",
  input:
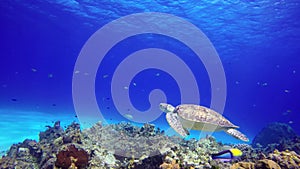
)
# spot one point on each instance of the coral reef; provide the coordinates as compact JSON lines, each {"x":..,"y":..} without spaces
{"x":72,"y":134}
{"x":266,"y":164}
{"x":172,"y":165}
{"x":72,"y":157}
{"x":286,"y":159}
{"x":276,"y":136}
{"x":193,"y":153}
{"x":273,"y":133}
{"x":51,"y":133}
{"x":250,"y":154}
{"x":276,"y":160}
{"x":292,"y":144}
{"x":260,"y":164}
{"x":122,"y":139}
{"x":126,"y":146}
{"x":18,"y":157}
{"x":42,"y":154}
{"x":243,"y":165}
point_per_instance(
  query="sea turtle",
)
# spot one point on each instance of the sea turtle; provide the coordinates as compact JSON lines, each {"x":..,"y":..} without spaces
{"x":196,"y":117}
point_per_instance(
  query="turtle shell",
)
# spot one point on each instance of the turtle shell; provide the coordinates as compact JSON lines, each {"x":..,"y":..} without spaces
{"x":200,"y":115}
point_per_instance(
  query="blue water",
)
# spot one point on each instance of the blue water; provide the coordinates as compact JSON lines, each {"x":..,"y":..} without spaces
{"x":257,"y":42}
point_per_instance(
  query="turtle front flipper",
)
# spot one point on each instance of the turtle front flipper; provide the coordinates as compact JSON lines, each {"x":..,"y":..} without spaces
{"x":174,"y":122}
{"x":237,"y":134}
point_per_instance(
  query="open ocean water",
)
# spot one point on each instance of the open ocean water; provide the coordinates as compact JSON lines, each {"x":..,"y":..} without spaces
{"x":258,"y":46}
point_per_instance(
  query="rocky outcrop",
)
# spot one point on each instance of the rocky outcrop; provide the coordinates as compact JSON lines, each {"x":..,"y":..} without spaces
{"x":266,"y":164}
{"x":274,"y":133}
{"x":286,"y":159}
{"x":124,"y":145}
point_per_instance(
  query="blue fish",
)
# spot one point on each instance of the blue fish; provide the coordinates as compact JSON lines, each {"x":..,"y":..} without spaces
{"x":227,"y":155}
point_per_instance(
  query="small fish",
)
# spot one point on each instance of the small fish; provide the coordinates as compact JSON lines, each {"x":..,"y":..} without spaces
{"x":227,"y":155}
{"x":128,"y":116}
{"x":286,"y":112}
{"x":226,"y":147}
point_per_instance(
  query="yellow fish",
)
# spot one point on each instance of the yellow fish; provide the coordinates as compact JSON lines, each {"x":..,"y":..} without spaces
{"x":227,"y":155}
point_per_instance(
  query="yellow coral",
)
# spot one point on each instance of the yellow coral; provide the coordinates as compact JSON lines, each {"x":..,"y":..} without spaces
{"x":243,"y":165}
{"x":267,"y":164}
{"x":131,"y":163}
{"x":286,"y":159}
{"x":173,"y":165}
{"x":276,"y":152}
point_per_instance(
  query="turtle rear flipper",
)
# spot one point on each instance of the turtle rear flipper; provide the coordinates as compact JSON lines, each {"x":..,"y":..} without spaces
{"x":186,"y":131}
{"x":237,"y":134}
{"x":174,"y":122}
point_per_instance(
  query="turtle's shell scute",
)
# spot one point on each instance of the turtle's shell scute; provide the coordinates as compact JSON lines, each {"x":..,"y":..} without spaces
{"x":196,"y":113}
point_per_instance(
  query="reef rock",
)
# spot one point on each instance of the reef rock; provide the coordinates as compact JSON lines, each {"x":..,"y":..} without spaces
{"x":51,"y":133}
{"x":266,"y":164}
{"x":48,"y":151}
{"x":274,"y":133}
{"x":72,"y":157}
{"x":172,"y":165}
{"x":21,"y":155}
{"x":261,"y":164}
{"x":124,"y":145}
{"x":122,"y":139}
{"x":250,"y":154}
{"x":286,"y":159}
{"x":243,"y":165}
{"x":72,"y":134}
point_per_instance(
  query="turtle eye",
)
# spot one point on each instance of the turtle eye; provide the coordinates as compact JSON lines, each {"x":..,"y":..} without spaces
{"x":161,"y":105}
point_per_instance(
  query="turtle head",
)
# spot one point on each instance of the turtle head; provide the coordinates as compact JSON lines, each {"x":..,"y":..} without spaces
{"x":166,"y":107}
